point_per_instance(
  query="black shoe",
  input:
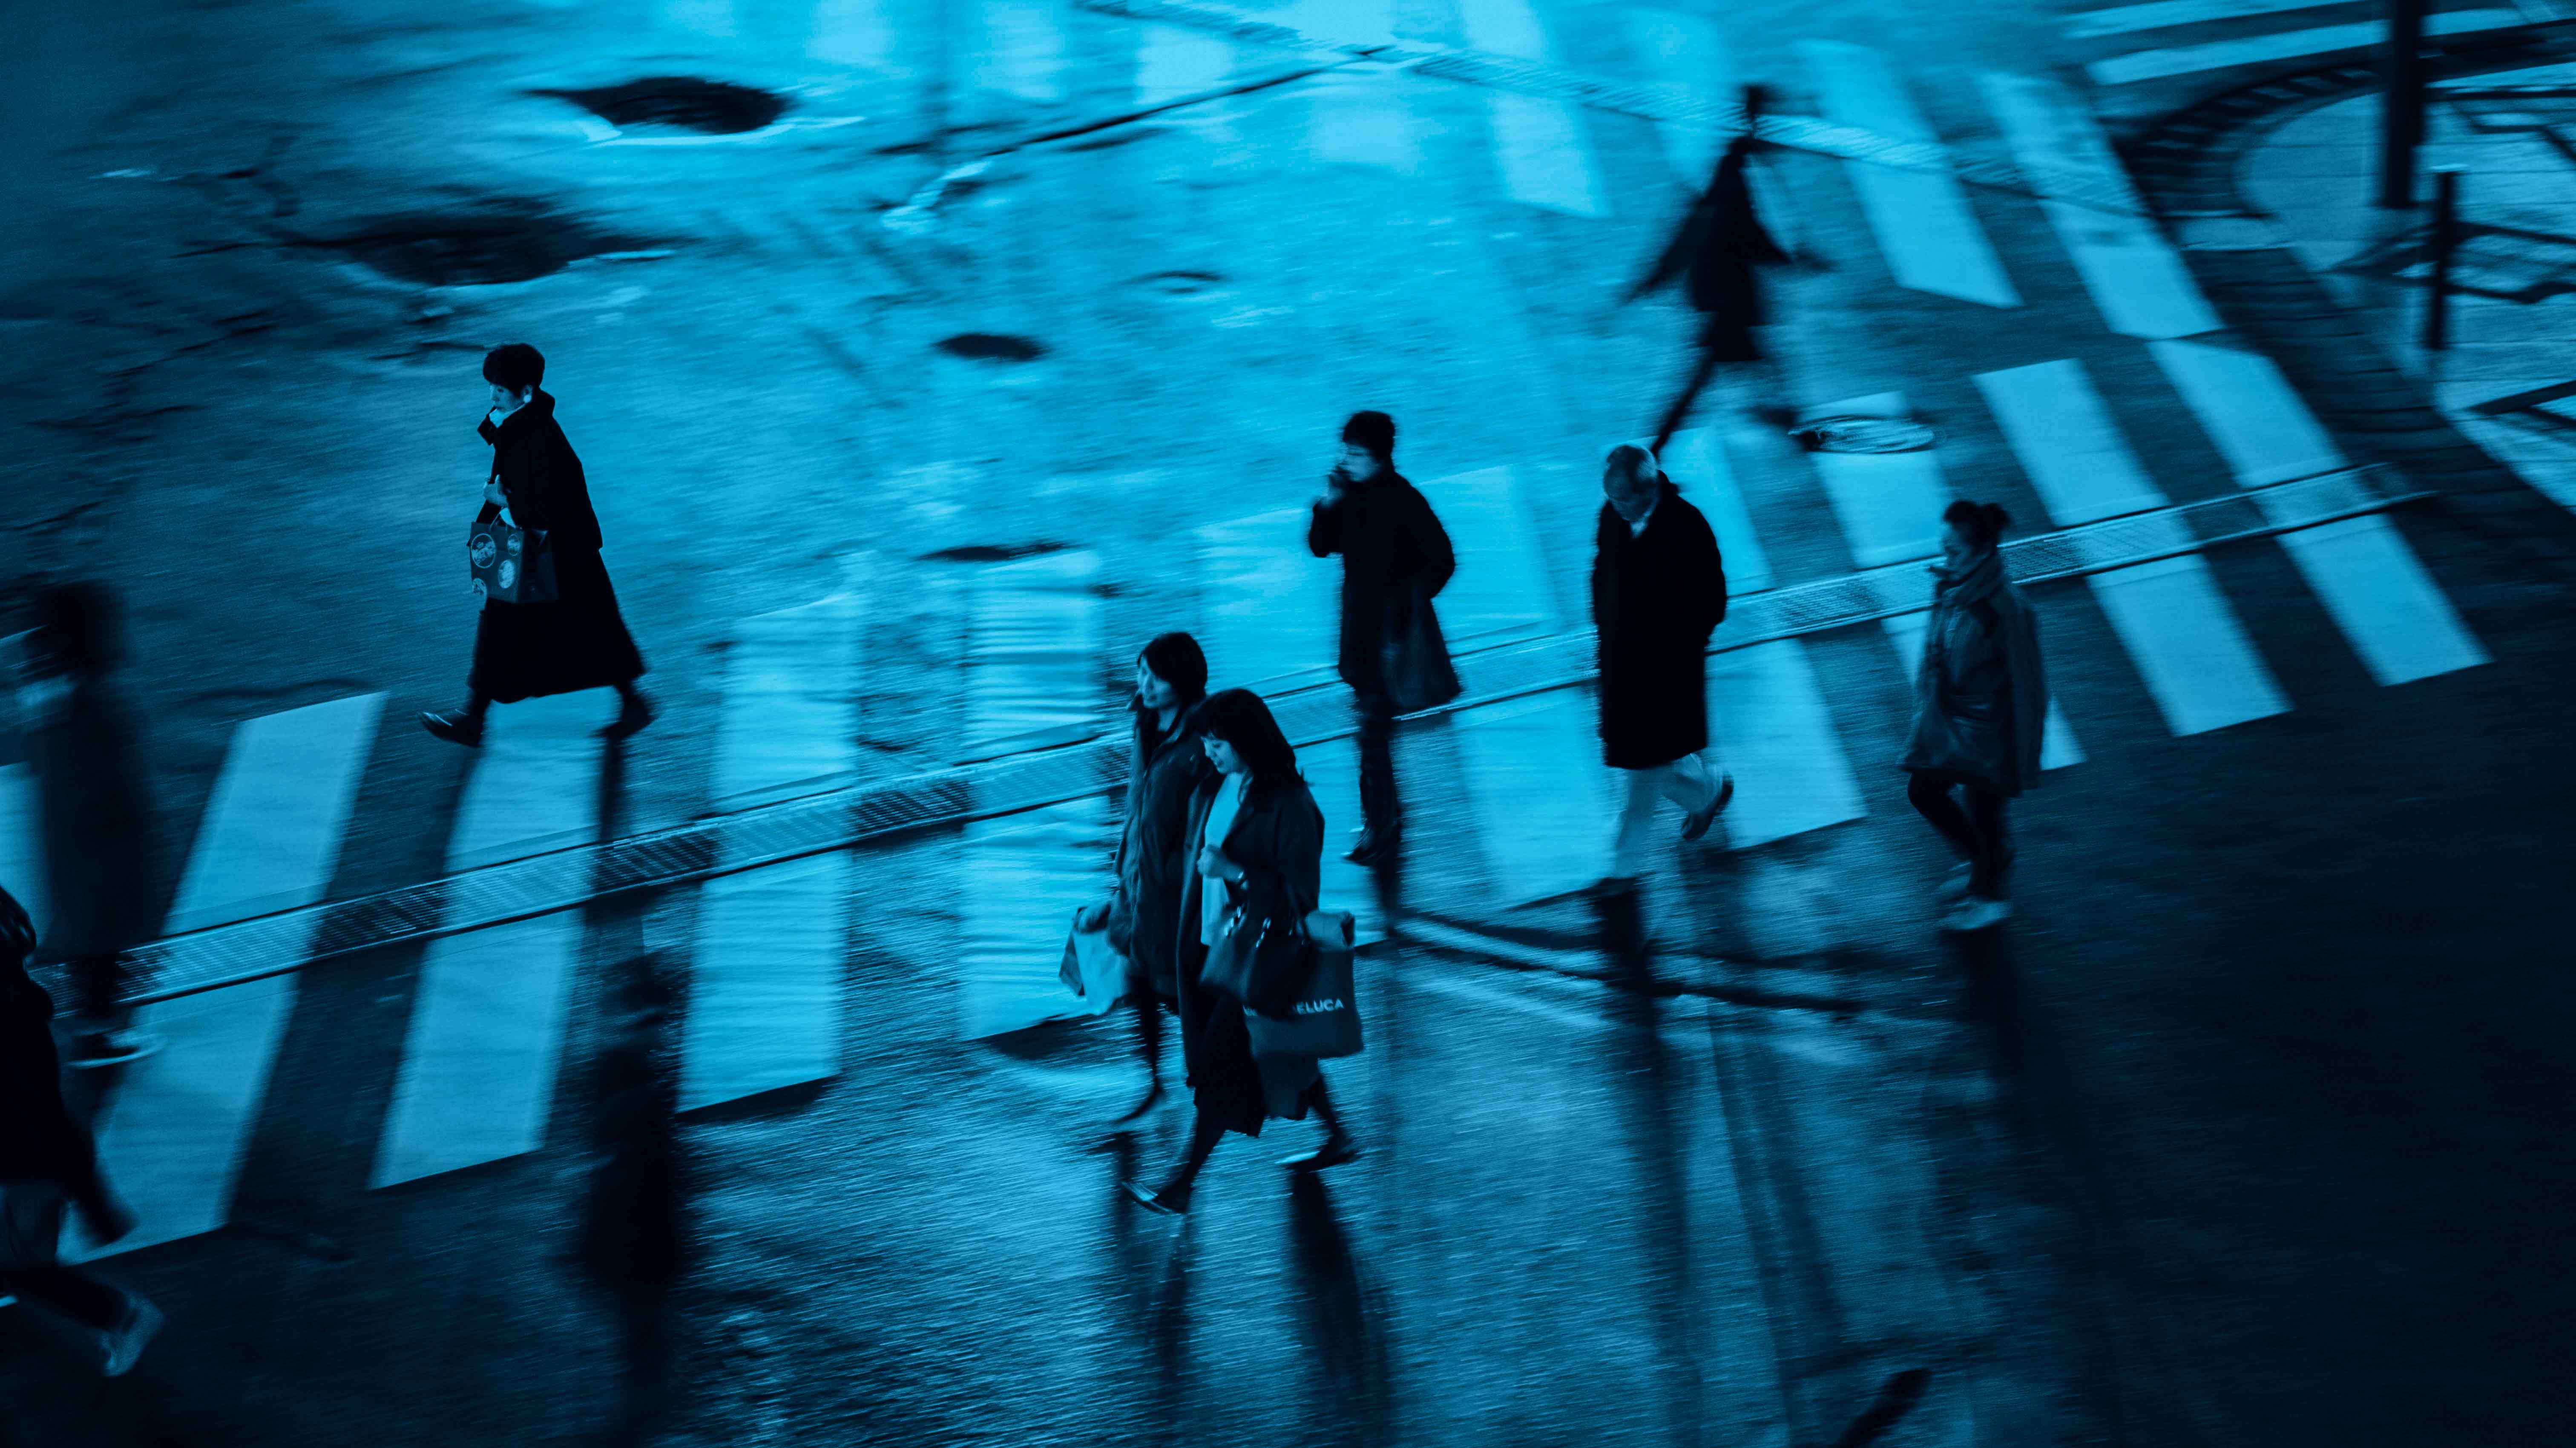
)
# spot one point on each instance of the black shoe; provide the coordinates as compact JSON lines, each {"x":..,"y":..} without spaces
{"x":631,"y":719}
{"x":100,"y":1049}
{"x":1335,"y":1150}
{"x":458,"y":727}
{"x":1697,"y":825}
{"x":1138,"y":1112}
{"x":1377,"y":845}
{"x":1170,"y":1201}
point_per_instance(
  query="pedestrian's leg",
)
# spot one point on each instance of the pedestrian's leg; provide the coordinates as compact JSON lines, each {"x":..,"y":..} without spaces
{"x":1636,"y":819}
{"x":98,"y":989}
{"x":1380,"y":811}
{"x":477,"y":704}
{"x":634,"y":711}
{"x":1337,"y":1147}
{"x":1704,"y":368}
{"x":1986,"y":817}
{"x":31,"y":1269}
{"x":1149,"y":1044}
{"x":1930,"y":795}
{"x":1174,"y":1194}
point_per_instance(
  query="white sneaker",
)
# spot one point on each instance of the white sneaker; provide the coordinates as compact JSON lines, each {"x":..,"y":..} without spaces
{"x":1954,"y":886}
{"x":126,"y":1340}
{"x":1975,"y":912}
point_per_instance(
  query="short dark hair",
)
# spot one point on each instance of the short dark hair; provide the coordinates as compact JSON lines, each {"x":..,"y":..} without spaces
{"x":1980,"y":523}
{"x":1374,"y":431}
{"x":1238,"y":717}
{"x":77,"y":626}
{"x":514,"y":365}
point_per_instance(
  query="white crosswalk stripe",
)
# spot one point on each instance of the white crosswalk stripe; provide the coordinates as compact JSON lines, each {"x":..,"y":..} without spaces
{"x":1770,"y":726}
{"x":1267,"y":605}
{"x":1922,"y":220}
{"x":1023,"y":54}
{"x":1505,"y":596}
{"x":1690,"y":52}
{"x":22,"y":850}
{"x":1889,"y":504}
{"x":1697,"y":463}
{"x":1541,"y":792}
{"x":1540,"y":144}
{"x":2280,"y":46}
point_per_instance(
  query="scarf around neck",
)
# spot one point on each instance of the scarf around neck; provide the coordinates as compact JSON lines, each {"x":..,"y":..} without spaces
{"x":1973,"y":584}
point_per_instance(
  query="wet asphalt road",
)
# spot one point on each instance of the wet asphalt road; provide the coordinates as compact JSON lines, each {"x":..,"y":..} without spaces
{"x":2249,"y":1130}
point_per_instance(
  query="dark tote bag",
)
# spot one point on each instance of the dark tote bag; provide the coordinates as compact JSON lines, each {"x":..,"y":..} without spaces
{"x":513,"y":565}
{"x":1261,"y":964}
{"x":1324,"y":1019}
{"x":1413,"y":658}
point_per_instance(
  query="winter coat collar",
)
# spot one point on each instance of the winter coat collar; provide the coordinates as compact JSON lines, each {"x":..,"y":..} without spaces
{"x":1972,"y":585}
{"x":539,"y":411}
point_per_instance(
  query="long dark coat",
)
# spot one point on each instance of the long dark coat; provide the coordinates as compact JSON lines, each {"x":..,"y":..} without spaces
{"x":1278,"y":842}
{"x":1389,"y":541}
{"x":1656,"y":597}
{"x":1721,"y":245}
{"x":39,"y":1138}
{"x":1154,"y":848}
{"x":1980,"y":693}
{"x":95,"y":823}
{"x":578,"y":641}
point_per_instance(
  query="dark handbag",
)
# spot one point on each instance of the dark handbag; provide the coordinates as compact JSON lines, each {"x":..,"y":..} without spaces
{"x":1263,"y":966}
{"x":1323,"y":1021}
{"x":1413,"y":658}
{"x":510,"y":564}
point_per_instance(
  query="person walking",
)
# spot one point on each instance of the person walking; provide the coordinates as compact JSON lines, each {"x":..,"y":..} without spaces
{"x":1143,"y":913}
{"x":1395,"y":559}
{"x":1658,"y":592}
{"x":47,"y":1161}
{"x":1257,"y":853}
{"x":1720,"y":250}
{"x":1980,"y":710}
{"x":577,"y":640}
{"x":95,"y":814}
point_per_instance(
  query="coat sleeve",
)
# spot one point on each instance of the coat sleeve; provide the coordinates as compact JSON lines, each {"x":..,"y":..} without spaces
{"x":486,"y":430}
{"x":1324,"y":530}
{"x":1687,"y":240}
{"x":1434,"y":560}
{"x":2029,"y":691}
{"x":1709,"y":578}
{"x":1747,"y":237}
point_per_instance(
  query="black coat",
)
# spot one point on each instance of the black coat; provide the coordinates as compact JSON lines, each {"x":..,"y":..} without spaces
{"x":1720,"y":244}
{"x":95,"y":821}
{"x":1389,"y":541}
{"x":1278,"y":842}
{"x":1154,"y":848}
{"x":1656,"y":597}
{"x":579,"y":640}
{"x":39,"y":1139}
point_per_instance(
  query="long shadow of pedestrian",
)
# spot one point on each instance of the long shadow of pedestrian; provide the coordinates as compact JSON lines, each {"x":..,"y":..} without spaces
{"x":1340,"y":1321}
{"x":1152,"y":1265}
{"x":1657,"y":1130}
{"x":634,"y":1238}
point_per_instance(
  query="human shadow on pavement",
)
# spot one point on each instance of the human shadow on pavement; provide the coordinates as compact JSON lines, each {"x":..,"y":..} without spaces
{"x":634,"y":1235}
{"x":1655,"y":1095}
{"x":1150,"y":1267}
{"x":1341,"y":1321}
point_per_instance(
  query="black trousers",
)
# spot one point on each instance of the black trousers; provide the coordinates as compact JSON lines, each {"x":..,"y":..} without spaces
{"x":1976,"y":832}
{"x":98,"y":986}
{"x":1379,"y":808}
{"x":31,"y":1229}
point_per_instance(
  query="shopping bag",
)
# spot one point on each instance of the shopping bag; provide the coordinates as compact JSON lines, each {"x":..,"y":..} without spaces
{"x":510,"y":564}
{"x":1262,"y":963}
{"x":1093,"y":969}
{"x":1413,"y":657}
{"x":1323,"y":1020}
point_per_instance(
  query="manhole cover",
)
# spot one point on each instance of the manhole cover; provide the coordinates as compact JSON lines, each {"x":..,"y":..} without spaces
{"x":1865,"y":435}
{"x":991,"y":347}
{"x":719,"y":108}
{"x":472,"y":249}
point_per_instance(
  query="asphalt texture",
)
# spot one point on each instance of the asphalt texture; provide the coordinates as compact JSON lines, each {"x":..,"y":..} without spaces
{"x":2248,"y":1129}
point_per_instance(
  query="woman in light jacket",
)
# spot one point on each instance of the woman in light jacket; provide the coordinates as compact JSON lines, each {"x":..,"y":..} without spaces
{"x":1257,"y":856}
{"x":1980,"y":706}
{"x":1143,"y":915}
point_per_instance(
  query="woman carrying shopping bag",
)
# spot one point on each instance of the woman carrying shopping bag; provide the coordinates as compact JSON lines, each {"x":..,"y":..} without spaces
{"x":1981,"y":704}
{"x":1255,"y":871}
{"x":1142,"y":917}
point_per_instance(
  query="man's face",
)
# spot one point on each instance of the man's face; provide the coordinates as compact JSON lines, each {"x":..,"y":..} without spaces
{"x":1629,"y":493}
{"x":1358,"y":462}
{"x":505,"y":401}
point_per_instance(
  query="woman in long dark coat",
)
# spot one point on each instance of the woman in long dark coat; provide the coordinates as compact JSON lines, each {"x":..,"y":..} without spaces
{"x":95,"y":814}
{"x":1658,"y":592}
{"x":1258,"y":857}
{"x":578,"y":640}
{"x":1143,"y":916}
{"x":1981,"y":709}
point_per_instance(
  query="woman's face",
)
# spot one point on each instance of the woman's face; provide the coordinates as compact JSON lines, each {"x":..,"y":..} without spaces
{"x":1152,"y":691}
{"x":1955,"y":549}
{"x":1222,"y":755}
{"x":1358,"y":462}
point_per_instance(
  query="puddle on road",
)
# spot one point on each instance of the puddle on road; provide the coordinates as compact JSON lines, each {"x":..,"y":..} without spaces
{"x":991,"y":347}
{"x":681,"y":102}
{"x":497,"y":245}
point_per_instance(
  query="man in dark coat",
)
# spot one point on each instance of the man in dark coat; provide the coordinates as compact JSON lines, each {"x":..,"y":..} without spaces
{"x":1719,"y":247}
{"x":1395,"y":556}
{"x":1658,"y":592}
{"x":94,"y":812}
{"x":577,"y":640}
{"x":47,"y":1159}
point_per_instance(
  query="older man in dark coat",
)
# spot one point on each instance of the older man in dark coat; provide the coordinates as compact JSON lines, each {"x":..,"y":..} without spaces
{"x":1658,"y":592}
{"x":577,"y":640}
{"x":1395,"y":557}
{"x":48,"y":1160}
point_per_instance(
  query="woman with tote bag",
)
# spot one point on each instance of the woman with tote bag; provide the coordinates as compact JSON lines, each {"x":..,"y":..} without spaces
{"x":1256,"y":864}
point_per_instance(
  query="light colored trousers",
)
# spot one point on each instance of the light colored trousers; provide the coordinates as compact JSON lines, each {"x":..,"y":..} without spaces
{"x":1687,"y":782}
